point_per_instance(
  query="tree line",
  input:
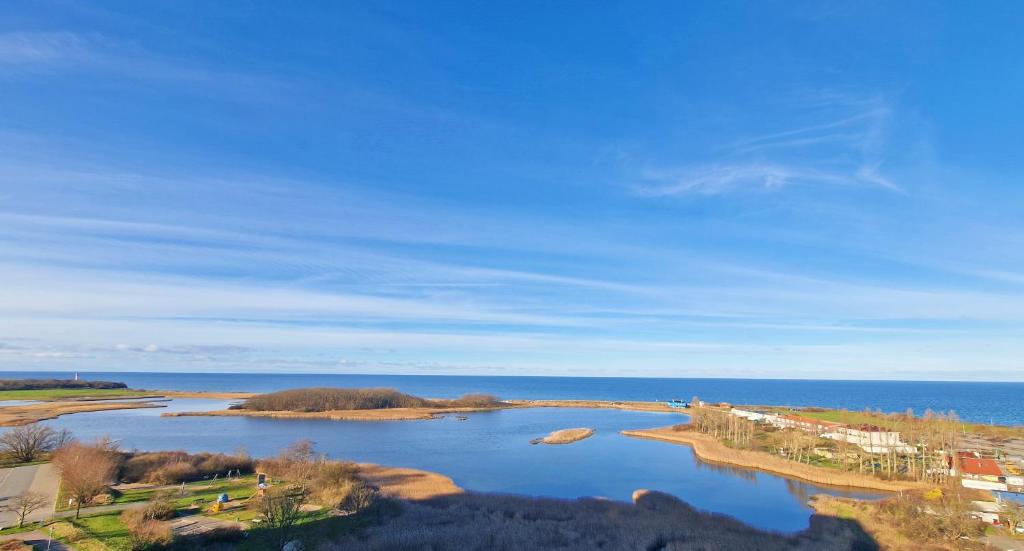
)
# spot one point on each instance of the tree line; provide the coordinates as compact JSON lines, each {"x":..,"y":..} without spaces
{"x":930,"y":441}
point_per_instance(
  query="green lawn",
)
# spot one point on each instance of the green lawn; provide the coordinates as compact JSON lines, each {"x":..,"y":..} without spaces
{"x":66,"y":393}
{"x":106,"y":527}
{"x":204,"y":491}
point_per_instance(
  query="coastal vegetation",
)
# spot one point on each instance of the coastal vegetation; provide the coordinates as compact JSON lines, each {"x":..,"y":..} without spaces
{"x":44,"y":384}
{"x":923,"y":454}
{"x":564,"y":436}
{"x":308,"y":497}
{"x":912,"y":521}
{"x":334,"y":399}
{"x":179,"y":466}
{"x":63,"y":389}
{"x":713,"y":450}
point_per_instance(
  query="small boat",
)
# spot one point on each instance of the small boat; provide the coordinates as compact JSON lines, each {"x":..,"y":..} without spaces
{"x":461,"y":417}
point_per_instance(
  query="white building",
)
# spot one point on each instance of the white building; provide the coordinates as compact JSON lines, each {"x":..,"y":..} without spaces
{"x":756,"y":416}
{"x":871,"y":439}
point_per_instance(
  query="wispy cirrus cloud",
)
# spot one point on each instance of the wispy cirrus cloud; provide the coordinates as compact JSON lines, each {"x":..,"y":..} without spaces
{"x":844,"y":148}
{"x":28,"y":48}
{"x":59,"y":52}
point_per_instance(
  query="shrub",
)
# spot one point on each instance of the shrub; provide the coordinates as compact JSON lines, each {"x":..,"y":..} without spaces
{"x":174,"y":467}
{"x":144,"y":531}
{"x":150,"y":534}
{"x":173,"y":472}
{"x":476,"y":401}
{"x":161,"y":507}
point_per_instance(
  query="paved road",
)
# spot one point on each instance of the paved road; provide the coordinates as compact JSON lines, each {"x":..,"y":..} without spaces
{"x":41,"y":479}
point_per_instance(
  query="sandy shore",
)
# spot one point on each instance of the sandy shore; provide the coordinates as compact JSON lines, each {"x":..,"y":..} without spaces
{"x":564,"y":436}
{"x":30,"y":413}
{"x":709,"y":449}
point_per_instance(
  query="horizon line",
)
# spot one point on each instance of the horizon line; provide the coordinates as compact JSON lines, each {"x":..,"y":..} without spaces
{"x":1004,"y":381}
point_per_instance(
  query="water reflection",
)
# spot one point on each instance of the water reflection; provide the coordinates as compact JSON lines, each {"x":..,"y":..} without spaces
{"x":749,"y":475}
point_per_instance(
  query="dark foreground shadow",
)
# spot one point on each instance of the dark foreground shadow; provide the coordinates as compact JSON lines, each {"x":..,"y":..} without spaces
{"x":655,"y":522}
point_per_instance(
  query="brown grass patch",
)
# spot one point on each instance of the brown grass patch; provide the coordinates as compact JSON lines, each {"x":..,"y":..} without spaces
{"x":408,"y":484}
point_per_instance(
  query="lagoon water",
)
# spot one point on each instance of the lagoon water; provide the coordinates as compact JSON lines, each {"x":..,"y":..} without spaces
{"x":488,"y":452}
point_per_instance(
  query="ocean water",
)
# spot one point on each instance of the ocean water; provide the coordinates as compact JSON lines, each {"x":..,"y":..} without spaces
{"x":1001,"y":403}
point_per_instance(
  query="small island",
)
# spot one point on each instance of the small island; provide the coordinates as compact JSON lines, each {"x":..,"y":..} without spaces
{"x":351,"y":404}
{"x":564,"y":436}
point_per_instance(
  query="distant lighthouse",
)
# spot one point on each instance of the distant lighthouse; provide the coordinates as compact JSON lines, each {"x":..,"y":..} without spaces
{"x":76,"y":375}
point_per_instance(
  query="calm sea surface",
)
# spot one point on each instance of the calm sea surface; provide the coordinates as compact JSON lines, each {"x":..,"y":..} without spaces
{"x":1001,"y":403}
{"x":491,"y":452}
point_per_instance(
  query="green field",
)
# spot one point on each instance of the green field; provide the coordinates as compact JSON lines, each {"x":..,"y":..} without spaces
{"x":107,"y":528}
{"x":72,"y":393}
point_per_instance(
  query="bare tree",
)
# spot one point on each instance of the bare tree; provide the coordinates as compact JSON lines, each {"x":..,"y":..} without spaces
{"x":28,"y":443}
{"x":25,"y":504}
{"x":86,"y":470}
{"x":282,"y":507}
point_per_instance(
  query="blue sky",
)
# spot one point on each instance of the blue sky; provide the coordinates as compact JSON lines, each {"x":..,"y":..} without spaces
{"x":760,"y":189}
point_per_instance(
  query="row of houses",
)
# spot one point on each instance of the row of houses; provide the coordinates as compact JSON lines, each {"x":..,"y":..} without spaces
{"x":870,"y":438}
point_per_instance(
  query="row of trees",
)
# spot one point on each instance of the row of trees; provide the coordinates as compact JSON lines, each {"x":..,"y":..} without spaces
{"x":928,"y":442}
{"x":737,"y":431}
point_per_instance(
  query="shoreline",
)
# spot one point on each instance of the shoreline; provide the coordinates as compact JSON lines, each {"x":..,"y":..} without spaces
{"x":710,"y":450}
{"x":13,"y":416}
